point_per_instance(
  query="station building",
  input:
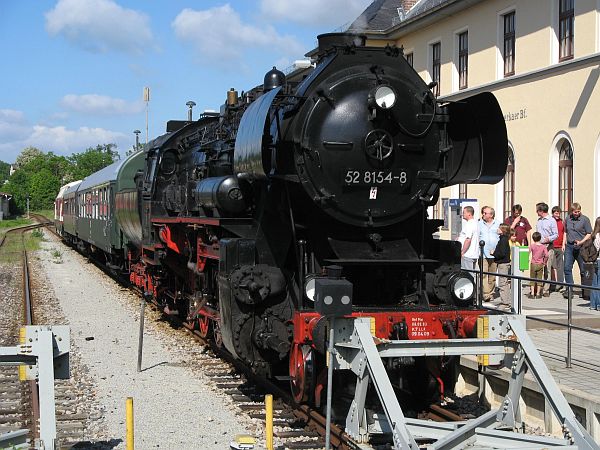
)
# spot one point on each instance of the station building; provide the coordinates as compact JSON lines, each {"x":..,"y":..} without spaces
{"x":541,"y":59}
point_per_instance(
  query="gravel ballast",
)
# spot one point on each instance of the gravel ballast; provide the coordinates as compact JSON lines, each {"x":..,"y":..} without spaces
{"x":175,"y":404}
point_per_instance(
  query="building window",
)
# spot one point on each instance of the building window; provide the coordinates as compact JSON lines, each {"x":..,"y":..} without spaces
{"x":436,"y":53}
{"x":566,"y":16}
{"x":565,"y":176}
{"x":463,"y":59}
{"x":462,"y":190}
{"x":409,"y":59}
{"x":509,"y":184}
{"x":509,"y":44}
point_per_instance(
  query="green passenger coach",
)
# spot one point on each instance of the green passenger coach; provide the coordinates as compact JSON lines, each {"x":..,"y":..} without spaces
{"x":96,"y":216}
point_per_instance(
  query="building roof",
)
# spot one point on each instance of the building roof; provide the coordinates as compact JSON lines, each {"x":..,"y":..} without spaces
{"x":423,"y":6}
{"x":392,"y":19}
{"x":383,"y":15}
{"x":379,"y":15}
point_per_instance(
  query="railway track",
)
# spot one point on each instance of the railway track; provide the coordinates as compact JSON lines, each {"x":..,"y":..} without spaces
{"x":19,"y":403}
{"x":16,"y":398}
{"x":295,"y":426}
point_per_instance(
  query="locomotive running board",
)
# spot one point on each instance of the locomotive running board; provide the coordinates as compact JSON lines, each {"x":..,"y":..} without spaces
{"x":506,"y":341}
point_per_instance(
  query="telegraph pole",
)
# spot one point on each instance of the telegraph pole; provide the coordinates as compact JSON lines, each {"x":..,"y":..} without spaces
{"x":28,"y":206}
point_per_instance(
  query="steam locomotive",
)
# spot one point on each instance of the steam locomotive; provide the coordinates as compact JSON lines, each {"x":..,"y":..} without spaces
{"x":228,"y":221}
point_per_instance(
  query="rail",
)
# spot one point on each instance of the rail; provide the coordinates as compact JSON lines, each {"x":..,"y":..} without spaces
{"x":569,"y":289}
{"x":27,"y":314}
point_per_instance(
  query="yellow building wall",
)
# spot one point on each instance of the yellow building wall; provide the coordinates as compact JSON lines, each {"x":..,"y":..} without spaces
{"x":544,"y":99}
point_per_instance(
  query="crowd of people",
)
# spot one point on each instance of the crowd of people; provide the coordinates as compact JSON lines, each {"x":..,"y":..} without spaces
{"x":554,"y":246}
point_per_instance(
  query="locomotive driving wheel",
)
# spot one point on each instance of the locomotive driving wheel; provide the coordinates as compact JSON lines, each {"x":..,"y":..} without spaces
{"x":302,"y":372}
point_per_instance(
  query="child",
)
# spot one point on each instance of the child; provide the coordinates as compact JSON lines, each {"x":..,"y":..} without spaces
{"x":539,"y":257}
{"x":502,"y":259}
{"x":513,"y":240}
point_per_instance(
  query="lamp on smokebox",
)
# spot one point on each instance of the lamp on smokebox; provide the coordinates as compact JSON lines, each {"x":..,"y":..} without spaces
{"x":333,"y":294}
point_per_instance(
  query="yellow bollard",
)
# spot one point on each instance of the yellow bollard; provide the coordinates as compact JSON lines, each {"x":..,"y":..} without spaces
{"x":129,"y":422}
{"x":269,"y":420}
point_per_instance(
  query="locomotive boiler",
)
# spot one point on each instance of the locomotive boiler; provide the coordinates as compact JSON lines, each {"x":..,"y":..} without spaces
{"x":229,"y":220}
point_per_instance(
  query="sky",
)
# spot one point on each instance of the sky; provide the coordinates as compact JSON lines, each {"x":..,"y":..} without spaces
{"x":74,"y":71}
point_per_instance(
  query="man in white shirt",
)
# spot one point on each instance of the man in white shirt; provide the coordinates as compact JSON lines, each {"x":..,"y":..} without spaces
{"x":488,"y":233}
{"x":469,"y":234}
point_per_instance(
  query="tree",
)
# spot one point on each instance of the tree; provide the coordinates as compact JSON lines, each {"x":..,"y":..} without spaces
{"x":42,"y":174}
{"x":18,"y":186}
{"x":4,"y":171}
{"x":43,"y":187}
{"x":27,"y":155}
{"x":92,"y":160}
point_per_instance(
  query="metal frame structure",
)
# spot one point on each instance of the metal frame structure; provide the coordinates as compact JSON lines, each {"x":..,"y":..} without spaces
{"x":503,"y":343}
{"x":42,"y":355}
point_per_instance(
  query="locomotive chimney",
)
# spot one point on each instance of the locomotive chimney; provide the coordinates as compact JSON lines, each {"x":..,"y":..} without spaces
{"x":137,"y":139}
{"x":232,"y":97}
{"x":330,"y":40}
{"x":190,"y":105}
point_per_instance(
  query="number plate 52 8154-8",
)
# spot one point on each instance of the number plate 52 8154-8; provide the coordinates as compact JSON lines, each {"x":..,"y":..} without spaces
{"x":396,"y":177}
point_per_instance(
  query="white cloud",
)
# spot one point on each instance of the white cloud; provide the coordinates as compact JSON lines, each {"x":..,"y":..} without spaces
{"x":65,"y":141}
{"x":12,"y":125}
{"x":100,"y":105}
{"x":220,"y":34}
{"x":316,"y":13}
{"x":100,"y":26}
{"x":11,"y":116}
{"x":60,"y":139}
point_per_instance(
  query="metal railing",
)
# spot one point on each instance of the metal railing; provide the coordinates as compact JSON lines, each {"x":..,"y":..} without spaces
{"x":519,"y":281}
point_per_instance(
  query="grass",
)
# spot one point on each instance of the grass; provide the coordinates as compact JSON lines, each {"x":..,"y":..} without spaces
{"x":13,"y":247}
{"x":47,"y":213}
{"x":12,"y":223}
{"x":37,"y":233}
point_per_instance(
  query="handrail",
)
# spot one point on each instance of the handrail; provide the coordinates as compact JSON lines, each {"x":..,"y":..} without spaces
{"x":569,"y":325}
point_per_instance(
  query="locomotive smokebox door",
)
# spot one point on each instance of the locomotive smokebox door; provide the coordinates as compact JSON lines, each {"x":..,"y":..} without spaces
{"x":333,"y":297}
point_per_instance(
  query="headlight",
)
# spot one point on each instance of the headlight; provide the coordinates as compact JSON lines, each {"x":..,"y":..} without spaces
{"x":385,"y":97}
{"x":309,"y":289}
{"x":461,"y":286}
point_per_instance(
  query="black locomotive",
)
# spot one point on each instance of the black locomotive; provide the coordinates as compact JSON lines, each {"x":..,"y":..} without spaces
{"x":230,"y":218}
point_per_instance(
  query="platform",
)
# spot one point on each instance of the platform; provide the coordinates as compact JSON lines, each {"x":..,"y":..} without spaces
{"x":579,"y":383}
